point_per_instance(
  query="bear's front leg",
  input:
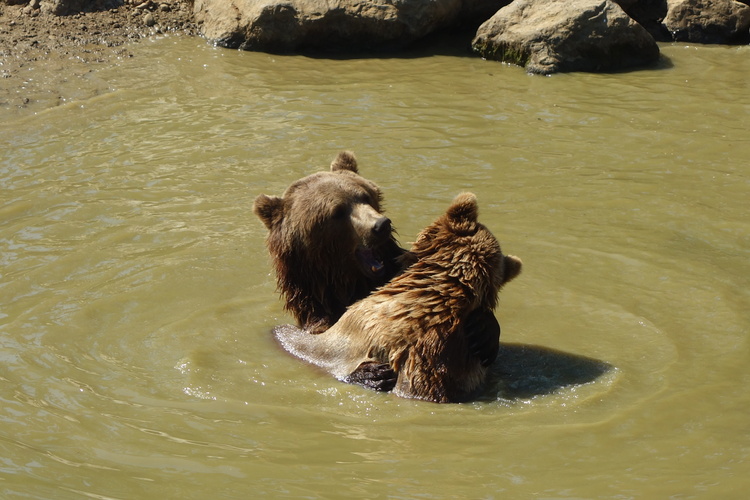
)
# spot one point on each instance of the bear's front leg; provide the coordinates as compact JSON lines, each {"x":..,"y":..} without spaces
{"x":374,"y":375}
{"x":483,"y":335}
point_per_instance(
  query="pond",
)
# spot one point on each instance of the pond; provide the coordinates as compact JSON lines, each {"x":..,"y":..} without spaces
{"x":137,"y":299}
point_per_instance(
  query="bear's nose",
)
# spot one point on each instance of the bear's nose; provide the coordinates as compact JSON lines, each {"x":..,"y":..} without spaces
{"x":382,"y":225}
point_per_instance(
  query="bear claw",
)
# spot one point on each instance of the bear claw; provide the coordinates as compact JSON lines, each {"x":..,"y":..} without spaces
{"x":374,"y":375}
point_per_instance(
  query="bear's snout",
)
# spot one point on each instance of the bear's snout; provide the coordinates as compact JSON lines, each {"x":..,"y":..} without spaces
{"x":372,"y":227}
{"x":382,"y":226}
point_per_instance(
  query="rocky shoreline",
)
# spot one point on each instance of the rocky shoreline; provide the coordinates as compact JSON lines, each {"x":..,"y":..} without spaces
{"x":544,"y":36}
{"x":65,"y":39}
{"x":67,"y":45}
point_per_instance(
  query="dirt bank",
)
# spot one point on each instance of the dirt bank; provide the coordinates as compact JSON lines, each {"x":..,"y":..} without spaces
{"x":44,"y":58}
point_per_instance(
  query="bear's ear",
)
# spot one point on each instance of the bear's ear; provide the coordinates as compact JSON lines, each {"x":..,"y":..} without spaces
{"x":511,"y":267}
{"x":464,"y":209}
{"x":345,"y":161}
{"x":270,"y":209}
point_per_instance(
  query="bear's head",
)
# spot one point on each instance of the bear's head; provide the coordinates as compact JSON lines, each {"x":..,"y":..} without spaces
{"x":468,"y":251}
{"x":329,"y":241}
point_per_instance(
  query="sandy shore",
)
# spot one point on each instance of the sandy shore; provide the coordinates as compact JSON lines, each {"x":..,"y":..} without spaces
{"x":44,"y":57}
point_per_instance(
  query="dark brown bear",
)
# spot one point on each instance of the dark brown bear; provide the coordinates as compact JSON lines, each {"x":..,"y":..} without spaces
{"x":329,"y":242}
{"x":433,"y":323}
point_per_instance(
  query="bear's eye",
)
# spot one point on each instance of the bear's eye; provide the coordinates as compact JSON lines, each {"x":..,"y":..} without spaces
{"x":340,"y":212}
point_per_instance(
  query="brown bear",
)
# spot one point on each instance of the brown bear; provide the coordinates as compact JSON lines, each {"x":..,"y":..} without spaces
{"x":329,"y":242}
{"x":433,"y":324}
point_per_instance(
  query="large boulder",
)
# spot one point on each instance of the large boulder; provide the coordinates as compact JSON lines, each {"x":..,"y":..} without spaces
{"x":296,"y":25}
{"x":708,"y":21}
{"x":565,"y":35}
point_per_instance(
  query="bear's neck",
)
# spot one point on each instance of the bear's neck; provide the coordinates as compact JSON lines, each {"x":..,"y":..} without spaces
{"x":317,"y":296}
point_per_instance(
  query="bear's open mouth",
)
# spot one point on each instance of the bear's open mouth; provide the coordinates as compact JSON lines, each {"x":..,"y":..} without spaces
{"x":370,"y":263}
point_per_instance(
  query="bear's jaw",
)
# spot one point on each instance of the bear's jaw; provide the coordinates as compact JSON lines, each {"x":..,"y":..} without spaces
{"x":369,"y":262}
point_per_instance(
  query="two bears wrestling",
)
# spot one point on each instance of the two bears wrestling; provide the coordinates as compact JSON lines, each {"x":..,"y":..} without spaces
{"x":419,"y":323}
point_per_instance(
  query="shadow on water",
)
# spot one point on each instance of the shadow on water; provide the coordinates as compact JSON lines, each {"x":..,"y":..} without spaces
{"x":456,"y":43}
{"x":524,"y":371}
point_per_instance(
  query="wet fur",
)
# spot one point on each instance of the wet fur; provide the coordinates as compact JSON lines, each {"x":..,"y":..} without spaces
{"x":315,"y":231}
{"x":432,"y":326}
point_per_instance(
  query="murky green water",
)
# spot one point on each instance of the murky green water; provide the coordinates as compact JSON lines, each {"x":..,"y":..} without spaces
{"x":136,"y":298}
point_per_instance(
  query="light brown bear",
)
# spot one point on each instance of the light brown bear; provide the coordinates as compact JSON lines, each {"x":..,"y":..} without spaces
{"x":329,"y":242}
{"x":433,"y":324}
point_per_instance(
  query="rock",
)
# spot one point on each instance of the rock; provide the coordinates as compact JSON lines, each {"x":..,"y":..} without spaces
{"x":708,"y":21}
{"x":148,"y":19}
{"x":559,"y":35}
{"x":294,"y":25}
{"x":68,"y":7}
{"x":62,"y":7}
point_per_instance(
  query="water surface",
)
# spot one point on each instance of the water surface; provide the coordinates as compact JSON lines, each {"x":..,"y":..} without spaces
{"x":136,"y":299}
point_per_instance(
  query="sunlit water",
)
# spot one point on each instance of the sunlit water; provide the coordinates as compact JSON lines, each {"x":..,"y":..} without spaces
{"x":136,"y":299}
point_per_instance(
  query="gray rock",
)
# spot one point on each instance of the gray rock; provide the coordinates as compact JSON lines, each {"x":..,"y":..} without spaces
{"x":294,"y":25}
{"x":708,"y":21}
{"x":565,"y":35}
